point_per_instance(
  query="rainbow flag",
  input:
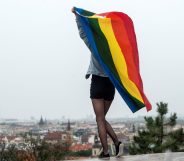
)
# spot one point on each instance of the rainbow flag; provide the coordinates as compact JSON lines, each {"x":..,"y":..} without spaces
{"x":113,"y":43}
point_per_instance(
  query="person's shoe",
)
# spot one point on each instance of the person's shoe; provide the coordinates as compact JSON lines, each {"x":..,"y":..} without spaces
{"x":104,"y":156}
{"x":119,"y":149}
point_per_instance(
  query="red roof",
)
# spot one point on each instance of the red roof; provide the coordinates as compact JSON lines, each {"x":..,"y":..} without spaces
{"x":79,"y":147}
{"x":56,"y":135}
{"x":11,"y":137}
{"x":8,"y":137}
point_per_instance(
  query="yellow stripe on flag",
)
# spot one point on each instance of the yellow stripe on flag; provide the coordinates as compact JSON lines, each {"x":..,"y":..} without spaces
{"x":118,"y":58}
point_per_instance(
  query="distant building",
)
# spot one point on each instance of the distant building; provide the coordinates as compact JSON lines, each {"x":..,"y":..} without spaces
{"x":84,"y":139}
{"x":96,"y":147}
{"x":68,"y":128}
{"x":42,"y":122}
{"x":80,"y":132}
{"x":58,"y":137}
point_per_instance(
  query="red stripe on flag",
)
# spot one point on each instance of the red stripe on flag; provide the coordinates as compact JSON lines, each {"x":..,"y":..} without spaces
{"x":125,"y":36}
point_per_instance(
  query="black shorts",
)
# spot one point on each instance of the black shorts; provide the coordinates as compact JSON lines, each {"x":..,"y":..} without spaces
{"x":101,"y":88}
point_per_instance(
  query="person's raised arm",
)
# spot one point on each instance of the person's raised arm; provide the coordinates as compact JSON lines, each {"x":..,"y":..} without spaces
{"x":80,"y":28}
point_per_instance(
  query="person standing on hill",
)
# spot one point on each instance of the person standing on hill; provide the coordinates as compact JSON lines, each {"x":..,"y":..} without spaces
{"x":102,"y":93}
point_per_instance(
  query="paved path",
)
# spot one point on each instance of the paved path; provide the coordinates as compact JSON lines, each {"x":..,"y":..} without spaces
{"x":147,"y":157}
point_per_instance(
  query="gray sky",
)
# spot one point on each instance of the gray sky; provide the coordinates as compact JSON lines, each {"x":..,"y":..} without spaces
{"x":43,"y":61}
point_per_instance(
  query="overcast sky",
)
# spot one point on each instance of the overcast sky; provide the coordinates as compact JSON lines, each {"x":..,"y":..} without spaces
{"x":43,"y":61}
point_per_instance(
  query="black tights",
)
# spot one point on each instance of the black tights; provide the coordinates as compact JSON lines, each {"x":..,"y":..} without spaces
{"x":101,"y":108}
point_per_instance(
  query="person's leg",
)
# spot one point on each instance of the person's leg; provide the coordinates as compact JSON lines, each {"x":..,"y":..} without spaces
{"x":98,"y":105}
{"x":109,"y":128}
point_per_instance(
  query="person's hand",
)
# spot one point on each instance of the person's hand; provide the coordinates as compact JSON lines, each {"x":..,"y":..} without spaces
{"x":72,"y":10}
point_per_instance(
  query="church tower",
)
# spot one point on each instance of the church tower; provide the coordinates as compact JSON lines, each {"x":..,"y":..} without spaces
{"x":41,"y":122}
{"x":68,"y":128}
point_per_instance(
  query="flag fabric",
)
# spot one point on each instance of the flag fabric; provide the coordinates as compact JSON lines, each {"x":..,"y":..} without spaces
{"x":113,"y":43}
